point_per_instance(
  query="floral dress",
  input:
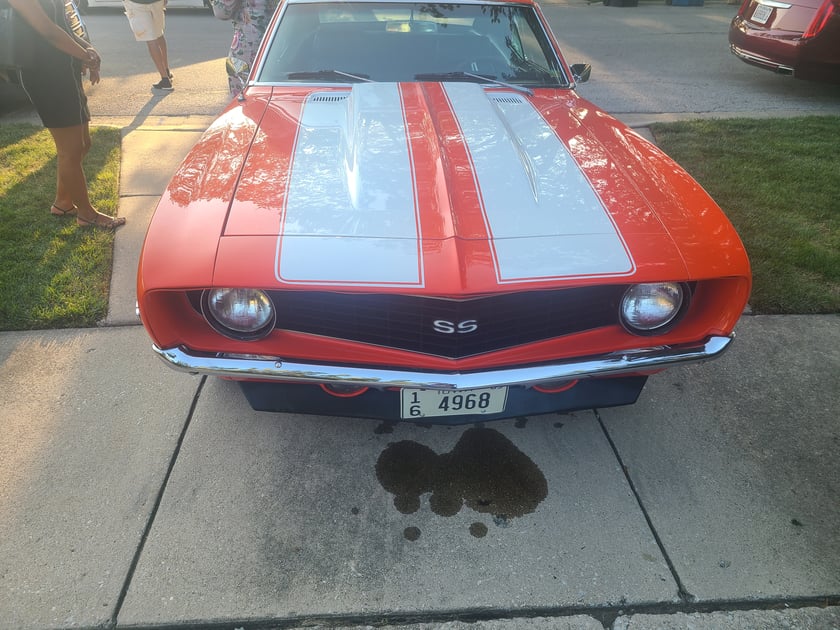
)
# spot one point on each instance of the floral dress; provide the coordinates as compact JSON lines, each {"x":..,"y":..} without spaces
{"x":250,"y":19}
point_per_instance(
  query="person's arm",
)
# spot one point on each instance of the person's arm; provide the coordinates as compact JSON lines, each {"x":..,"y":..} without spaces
{"x":54,"y":34}
{"x":225,"y":9}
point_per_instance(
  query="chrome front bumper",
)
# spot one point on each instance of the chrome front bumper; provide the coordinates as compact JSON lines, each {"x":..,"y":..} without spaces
{"x":614,"y":364}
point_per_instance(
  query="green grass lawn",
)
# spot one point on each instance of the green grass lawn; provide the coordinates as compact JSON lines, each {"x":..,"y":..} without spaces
{"x":778,"y":180}
{"x":53,"y":274}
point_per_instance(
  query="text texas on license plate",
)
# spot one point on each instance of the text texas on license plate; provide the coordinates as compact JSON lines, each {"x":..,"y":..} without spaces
{"x":420,"y":403}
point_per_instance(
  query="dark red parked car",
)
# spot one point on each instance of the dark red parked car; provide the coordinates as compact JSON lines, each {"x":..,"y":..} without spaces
{"x":794,"y":37}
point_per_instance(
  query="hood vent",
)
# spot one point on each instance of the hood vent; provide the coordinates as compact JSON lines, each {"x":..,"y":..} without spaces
{"x":328,"y":98}
{"x":508,"y":99}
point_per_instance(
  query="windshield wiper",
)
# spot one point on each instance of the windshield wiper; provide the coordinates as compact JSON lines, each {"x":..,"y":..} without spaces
{"x":540,"y":71}
{"x":462,"y":76}
{"x":326,"y":74}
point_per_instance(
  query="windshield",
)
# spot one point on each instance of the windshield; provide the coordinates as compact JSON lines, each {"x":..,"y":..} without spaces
{"x":371,"y":41}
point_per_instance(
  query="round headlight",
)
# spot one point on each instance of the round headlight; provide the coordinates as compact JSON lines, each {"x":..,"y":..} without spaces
{"x":647,"y":308}
{"x":245,"y":314}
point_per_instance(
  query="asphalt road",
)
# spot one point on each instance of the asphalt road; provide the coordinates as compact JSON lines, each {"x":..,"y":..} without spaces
{"x":655,"y":59}
{"x":647,"y":59}
{"x":651,"y":59}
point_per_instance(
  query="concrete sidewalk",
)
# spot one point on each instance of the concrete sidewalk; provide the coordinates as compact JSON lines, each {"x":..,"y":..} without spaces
{"x":136,"y":497}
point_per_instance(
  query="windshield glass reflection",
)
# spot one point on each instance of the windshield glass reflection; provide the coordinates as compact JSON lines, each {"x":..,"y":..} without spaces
{"x":353,"y":42}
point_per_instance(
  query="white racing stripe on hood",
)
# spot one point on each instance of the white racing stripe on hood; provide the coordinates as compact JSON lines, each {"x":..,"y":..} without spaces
{"x":351,"y":215}
{"x":543,"y":217}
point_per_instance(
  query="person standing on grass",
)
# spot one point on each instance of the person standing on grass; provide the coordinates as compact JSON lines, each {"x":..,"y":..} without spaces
{"x":147,"y":21}
{"x":250,"y":19}
{"x":53,"y":81}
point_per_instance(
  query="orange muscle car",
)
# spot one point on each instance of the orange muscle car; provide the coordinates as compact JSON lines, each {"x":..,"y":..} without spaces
{"x":410,"y":214}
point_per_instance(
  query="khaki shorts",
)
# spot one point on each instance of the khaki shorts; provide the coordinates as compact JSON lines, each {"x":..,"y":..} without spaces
{"x":146,"y":20}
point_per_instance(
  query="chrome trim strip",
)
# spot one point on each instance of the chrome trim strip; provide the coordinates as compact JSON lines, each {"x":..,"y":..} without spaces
{"x":613,"y":364}
{"x":760,"y":61}
{"x":774,"y":3}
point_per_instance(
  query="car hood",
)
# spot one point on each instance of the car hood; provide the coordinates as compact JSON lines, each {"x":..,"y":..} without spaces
{"x":453,"y":188}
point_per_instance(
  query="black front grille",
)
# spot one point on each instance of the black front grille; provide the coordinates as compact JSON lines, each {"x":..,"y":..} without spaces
{"x":415,"y":323}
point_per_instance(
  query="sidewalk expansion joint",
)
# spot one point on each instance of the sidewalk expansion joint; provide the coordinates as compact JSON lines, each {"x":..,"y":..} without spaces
{"x":605,"y":615}
{"x":134,"y":322}
{"x":682,"y":592}
{"x":158,"y":500}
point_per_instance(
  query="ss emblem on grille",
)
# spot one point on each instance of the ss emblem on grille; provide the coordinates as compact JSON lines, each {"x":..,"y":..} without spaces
{"x":450,"y":328}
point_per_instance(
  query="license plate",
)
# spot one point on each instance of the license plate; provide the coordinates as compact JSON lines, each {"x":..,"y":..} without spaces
{"x":422,"y":403}
{"x":761,"y":14}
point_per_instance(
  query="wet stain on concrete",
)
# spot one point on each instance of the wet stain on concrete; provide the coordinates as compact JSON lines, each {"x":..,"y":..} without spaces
{"x":485,"y":471}
{"x":411,"y":533}
{"x":501,"y":520}
{"x":478,"y":530}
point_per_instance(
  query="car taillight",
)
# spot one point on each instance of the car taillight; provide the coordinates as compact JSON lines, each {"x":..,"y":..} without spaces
{"x":821,"y":18}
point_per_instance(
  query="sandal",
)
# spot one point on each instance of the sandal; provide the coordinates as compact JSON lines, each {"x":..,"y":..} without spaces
{"x":56,"y":211}
{"x":109,"y":223}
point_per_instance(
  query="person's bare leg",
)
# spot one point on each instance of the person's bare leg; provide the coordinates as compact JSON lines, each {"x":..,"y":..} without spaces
{"x":157,"y":50}
{"x":63,"y":204}
{"x":164,"y":54}
{"x":72,"y":144}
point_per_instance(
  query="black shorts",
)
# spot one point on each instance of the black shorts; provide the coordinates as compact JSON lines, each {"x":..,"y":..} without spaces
{"x":56,"y":91}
